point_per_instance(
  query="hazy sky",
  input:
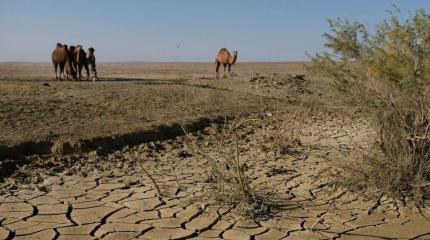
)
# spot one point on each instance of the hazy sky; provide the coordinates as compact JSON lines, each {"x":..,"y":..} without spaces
{"x":179,"y":30}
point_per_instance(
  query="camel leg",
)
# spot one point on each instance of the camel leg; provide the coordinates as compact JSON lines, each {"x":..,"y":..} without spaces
{"x":79,"y":72}
{"x":94,"y":72}
{"x":88,"y":71}
{"x":217,"y":69}
{"x":225,"y":66}
{"x":75,"y":69}
{"x":74,"y":66}
{"x":61,"y":70}
{"x":56,"y":68}
{"x":229,"y":66}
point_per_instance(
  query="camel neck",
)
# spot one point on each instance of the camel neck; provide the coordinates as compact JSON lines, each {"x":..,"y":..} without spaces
{"x":233,"y":59}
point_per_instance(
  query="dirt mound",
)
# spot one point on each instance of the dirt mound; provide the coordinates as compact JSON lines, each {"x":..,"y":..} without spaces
{"x":297,"y":82}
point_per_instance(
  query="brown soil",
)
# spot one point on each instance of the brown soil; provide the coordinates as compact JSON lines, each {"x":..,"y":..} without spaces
{"x":102,"y":193}
{"x":131,"y":98}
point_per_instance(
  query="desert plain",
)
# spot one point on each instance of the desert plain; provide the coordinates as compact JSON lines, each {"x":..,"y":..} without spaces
{"x":131,"y":156}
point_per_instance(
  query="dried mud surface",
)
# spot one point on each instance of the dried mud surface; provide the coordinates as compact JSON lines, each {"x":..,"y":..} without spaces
{"x":111,"y":198}
{"x":104,"y":194}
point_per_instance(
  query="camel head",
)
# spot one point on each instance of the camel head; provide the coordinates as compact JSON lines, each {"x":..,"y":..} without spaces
{"x":91,"y":51}
{"x":59,"y":45}
{"x":233,"y":58}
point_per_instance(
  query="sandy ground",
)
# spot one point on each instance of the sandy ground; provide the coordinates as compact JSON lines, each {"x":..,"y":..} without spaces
{"x":31,"y":111}
{"x":104,"y":194}
{"x":160,"y":94}
{"x":184,"y":71}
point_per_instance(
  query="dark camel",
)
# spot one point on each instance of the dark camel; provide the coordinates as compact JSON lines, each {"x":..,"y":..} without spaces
{"x":81,"y":61}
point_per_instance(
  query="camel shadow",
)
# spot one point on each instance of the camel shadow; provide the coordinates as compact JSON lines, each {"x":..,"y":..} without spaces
{"x":133,"y":80}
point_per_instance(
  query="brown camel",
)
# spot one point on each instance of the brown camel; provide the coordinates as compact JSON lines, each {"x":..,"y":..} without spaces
{"x":81,"y":61}
{"x":61,"y":57}
{"x":226,"y":59}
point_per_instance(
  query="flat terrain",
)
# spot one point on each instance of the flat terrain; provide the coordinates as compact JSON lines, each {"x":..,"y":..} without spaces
{"x":103,"y":193}
{"x":130,"y":98}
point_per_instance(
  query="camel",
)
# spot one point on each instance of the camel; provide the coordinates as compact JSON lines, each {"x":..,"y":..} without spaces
{"x":81,"y":61}
{"x":61,"y":57}
{"x":91,"y":59}
{"x":226,"y":59}
{"x":73,"y":57}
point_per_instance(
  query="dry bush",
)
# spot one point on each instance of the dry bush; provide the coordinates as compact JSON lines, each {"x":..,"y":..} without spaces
{"x":225,"y":168}
{"x":225,"y":147}
{"x":399,"y":162}
{"x":385,"y":74}
{"x":281,"y":132}
{"x":66,"y":146}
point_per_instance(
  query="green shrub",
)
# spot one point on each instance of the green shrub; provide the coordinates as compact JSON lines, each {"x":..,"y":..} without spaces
{"x":385,"y":72}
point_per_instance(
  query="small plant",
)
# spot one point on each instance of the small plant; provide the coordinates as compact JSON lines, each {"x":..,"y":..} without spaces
{"x":386,"y":75}
{"x":281,"y":132}
{"x":66,"y":146}
{"x":225,"y":168}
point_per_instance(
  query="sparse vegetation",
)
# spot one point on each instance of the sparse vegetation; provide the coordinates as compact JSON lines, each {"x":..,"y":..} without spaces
{"x":385,"y":73}
{"x":283,"y":130}
{"x":66,"y":146}
{"x":224,"y":151}
{"x":225,"y":168}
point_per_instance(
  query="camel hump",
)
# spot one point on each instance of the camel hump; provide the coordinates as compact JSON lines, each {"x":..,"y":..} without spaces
{"x":223,"y":50}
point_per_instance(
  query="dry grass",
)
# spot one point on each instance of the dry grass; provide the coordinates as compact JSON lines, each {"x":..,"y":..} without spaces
{"x":225,"y":168}
{"x":283,"y":130}
{"x":66,"y":146}
{"x":228,"y":144}
{"x":399,"y":163}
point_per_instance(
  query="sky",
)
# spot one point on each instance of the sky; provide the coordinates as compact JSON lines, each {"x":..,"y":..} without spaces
{"x":180,"y":30}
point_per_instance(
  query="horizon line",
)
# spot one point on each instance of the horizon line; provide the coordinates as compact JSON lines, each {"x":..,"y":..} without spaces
{"x":109,"y":62}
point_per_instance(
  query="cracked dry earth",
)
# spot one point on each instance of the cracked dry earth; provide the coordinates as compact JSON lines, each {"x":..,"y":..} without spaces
{"x":121,"y":202}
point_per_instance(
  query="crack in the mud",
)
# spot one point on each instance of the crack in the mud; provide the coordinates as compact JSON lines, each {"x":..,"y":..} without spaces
{"x":359,"y":227}
{"x":312,"y":195}
{"x":337,"y":196}
{"x":254,"y":236}
{"x":69,"y":214}
{"x":103,"y":221}
{"x":143,"y":232}
{"x":302,"y":225}
{"x":375,"y":205}
{"x":34,"y":213}
{"x":11,"y":235}
{"x":57,"y":234}
{"x":198,"y":213}
{"x":421,"y":235}
{"x":225,"y":230}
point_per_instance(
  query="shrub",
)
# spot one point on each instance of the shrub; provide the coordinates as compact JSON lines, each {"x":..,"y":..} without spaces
{"x":281,"y":132}
{"x":385,"y":72}
{"x":223,"y":150}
